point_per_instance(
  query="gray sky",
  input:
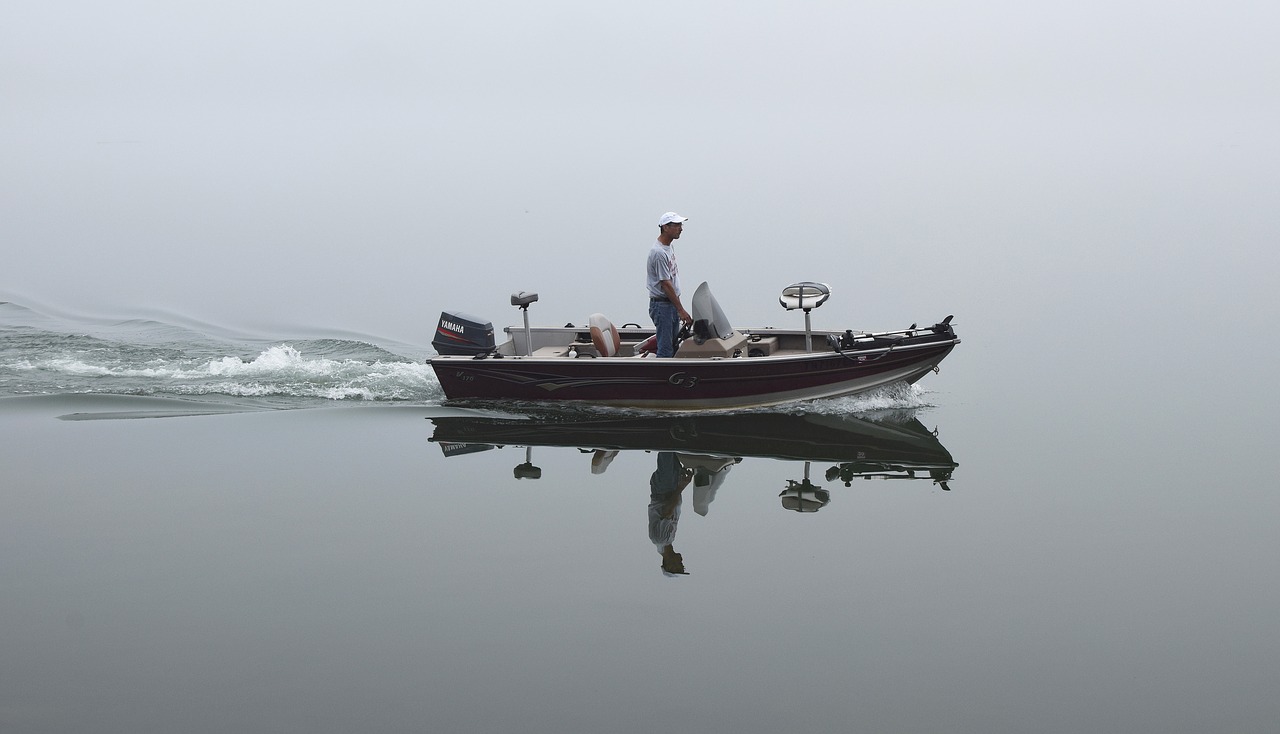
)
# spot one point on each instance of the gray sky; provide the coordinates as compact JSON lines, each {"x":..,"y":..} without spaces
{"x":361,"y":166}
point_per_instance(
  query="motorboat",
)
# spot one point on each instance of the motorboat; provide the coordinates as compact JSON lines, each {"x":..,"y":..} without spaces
{"x":715,"y":365}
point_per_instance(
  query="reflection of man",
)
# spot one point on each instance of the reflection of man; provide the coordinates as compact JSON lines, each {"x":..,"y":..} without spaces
{"x":665,"y":487}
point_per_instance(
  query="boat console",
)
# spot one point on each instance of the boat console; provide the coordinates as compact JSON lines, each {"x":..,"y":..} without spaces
{"x":735,"y":345}
{"x":713,"y":335}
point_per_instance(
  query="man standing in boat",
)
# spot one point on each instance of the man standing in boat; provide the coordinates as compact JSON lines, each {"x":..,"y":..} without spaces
{"x":663,"y":281}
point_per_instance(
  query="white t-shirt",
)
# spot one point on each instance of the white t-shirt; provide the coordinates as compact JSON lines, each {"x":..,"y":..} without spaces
{"x":662,"y":266}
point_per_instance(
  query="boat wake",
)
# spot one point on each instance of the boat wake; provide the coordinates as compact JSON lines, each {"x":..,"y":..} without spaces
{"x":46,"y":355}
{"x":892,"y":400}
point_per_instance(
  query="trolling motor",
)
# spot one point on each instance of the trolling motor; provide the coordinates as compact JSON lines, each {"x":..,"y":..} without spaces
{"x":805,"y":296}
{"x":944,"y":327}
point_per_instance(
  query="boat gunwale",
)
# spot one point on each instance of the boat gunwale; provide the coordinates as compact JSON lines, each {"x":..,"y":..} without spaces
{"x":784,"y":355}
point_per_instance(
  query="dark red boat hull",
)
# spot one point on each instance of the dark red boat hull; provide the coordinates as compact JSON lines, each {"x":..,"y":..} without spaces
{"x":685,"y":384}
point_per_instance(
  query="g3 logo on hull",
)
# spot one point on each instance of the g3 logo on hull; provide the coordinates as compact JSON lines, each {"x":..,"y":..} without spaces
{"x":682,"y":379}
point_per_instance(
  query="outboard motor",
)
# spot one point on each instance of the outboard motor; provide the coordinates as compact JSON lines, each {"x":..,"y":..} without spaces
{"x":462,"y":334}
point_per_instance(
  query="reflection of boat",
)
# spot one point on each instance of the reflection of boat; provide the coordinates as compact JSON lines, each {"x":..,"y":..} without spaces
{"x":859,"y":447}
{"x":690,"y":455}
{"x":716,"y":367}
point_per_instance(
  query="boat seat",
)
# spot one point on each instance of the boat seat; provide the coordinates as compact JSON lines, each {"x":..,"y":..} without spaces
{"x":604,"y":336}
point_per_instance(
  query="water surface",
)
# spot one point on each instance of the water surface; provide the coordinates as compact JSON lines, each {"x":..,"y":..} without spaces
{"x":285,"y":534}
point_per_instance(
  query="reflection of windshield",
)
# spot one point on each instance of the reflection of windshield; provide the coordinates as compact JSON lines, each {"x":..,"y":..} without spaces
{"x":709,"y":473}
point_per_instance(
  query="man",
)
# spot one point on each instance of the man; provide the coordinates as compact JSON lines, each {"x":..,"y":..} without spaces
{"x":663,"y":282}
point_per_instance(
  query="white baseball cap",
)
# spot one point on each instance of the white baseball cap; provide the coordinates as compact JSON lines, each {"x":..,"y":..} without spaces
{"x":671,"y":217}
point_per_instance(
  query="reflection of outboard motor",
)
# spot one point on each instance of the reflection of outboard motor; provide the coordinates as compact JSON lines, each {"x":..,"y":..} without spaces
{"x":462,"y":334}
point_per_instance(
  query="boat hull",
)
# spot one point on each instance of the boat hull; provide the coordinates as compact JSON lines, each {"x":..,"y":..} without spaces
{"x":686,"y":384}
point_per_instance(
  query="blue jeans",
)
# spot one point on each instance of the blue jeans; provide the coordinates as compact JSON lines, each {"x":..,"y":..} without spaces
{"x":667,"y":322}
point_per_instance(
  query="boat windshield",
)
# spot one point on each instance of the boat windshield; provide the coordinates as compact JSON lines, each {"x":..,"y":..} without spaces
{"x":705,"y":308}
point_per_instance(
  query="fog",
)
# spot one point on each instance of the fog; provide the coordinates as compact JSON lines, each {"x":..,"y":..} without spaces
{"x":362,"y":166}
{"x":1090,"y":188}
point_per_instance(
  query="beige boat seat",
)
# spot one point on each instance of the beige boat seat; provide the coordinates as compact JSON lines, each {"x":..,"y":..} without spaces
{"x":604,"y":336}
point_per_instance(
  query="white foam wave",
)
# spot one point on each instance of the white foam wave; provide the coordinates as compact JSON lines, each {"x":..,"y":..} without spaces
{"x":279,"y":370}
{"x":898,"y":396}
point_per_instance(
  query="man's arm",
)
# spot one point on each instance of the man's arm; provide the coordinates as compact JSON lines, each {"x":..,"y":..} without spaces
{"x":670,"y":290}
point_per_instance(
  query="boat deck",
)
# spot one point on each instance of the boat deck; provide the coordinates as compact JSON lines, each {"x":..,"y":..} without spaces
{"x":557,"y":343}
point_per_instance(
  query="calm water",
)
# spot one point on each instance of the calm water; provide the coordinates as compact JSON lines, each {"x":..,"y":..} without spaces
{"x":206,"y":531}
